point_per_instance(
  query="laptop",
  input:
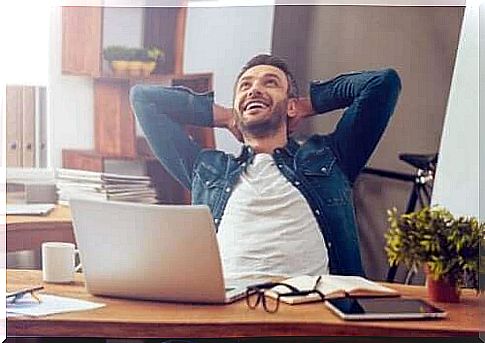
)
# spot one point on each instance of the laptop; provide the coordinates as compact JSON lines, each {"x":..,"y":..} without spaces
{"x":151,"y":252}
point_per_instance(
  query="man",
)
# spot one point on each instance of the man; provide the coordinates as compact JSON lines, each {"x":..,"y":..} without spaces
{"x":281,"y":208}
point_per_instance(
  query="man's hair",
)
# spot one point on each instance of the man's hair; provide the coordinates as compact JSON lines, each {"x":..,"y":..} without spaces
{"x":265,"y":59}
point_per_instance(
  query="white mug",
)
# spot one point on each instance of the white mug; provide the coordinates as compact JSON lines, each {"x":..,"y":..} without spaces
{"x":58,"y":262}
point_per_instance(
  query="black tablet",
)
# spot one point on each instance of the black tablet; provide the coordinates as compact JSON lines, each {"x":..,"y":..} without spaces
{"x":383,"y":308}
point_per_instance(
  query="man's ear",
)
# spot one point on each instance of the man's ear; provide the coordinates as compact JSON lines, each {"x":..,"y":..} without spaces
{"x":292,"y":107}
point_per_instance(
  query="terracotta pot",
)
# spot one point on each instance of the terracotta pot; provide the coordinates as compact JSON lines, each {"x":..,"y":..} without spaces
{"x":442,"y":290}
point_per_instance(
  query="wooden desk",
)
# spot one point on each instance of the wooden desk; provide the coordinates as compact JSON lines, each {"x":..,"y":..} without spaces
{"x":28,"y":232}
{"x":136,"y":319}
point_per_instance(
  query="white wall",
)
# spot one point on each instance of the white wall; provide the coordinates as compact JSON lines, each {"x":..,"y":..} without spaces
{"x":456,"y":186}
{"x":482,"y":113}
{"x":221,"y":40}
{"x":70,"y":102}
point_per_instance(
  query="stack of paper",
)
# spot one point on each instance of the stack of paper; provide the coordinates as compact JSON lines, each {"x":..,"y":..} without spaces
{"x":117,"y":187}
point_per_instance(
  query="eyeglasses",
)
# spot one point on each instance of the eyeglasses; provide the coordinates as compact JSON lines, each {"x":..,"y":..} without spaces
{"x":256,"y":294}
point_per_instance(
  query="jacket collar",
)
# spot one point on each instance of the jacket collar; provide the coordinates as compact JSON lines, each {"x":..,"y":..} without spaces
{"x":247,"y":152}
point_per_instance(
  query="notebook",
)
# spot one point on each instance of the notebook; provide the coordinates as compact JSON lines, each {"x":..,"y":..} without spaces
{"x":332,"y":286}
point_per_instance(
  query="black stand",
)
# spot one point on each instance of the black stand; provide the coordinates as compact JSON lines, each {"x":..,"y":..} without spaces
{"x":422,"y":187}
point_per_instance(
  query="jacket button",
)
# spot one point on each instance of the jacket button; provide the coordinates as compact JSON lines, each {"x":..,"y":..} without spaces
{"x":277,"y":151}
{"x":216,"y":220}
{"x":207,"y":183}
{"x":280,"y":166}
{"x":228,"y":189}
{"x":324,"y":169}
{"x":317,"y":212}
{"x":297,"y":183}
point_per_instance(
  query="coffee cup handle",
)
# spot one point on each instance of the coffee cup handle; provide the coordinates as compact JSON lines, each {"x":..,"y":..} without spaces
{"x":79,"y":266}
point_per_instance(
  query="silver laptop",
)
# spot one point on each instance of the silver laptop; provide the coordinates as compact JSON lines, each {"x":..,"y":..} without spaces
{"x":153,"y":252}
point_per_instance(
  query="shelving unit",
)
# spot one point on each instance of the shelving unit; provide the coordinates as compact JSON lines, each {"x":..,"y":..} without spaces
{"x":114,"y":122}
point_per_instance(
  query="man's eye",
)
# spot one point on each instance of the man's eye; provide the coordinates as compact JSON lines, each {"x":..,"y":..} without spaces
{"x":244,"y":85}
{"x":272,"y":82}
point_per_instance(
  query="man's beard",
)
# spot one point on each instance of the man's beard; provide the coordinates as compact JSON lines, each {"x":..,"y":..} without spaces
{"x":266,"y":127}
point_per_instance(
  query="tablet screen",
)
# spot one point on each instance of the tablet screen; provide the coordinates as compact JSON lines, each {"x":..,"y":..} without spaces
{"x":384,"y":306}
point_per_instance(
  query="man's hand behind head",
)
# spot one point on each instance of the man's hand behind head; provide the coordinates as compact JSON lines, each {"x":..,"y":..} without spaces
{"x":298,"y":108}
{"x":224,"y":117}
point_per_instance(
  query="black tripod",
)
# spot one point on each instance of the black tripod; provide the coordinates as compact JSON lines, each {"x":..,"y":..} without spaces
{"x":422,"y":181}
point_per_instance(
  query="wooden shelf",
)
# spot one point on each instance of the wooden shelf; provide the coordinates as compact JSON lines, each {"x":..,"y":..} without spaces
{"x":82,"y":38}
{"x":93,"y":160}
{"x":159,"y":78}
{"x":114,"y":123}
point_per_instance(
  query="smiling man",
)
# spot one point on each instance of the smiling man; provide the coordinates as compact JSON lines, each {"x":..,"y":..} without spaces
{"x":280,"y":207}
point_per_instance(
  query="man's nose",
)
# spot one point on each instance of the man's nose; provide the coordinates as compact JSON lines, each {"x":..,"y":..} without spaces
{"x":255,"y":90}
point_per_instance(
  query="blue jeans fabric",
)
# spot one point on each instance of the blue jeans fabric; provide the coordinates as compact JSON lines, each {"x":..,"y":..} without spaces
{"x":323,"y":168}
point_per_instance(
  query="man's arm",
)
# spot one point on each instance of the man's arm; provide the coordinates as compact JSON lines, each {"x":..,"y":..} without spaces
{"x":371,"y":97}
{"x":161,"y":112}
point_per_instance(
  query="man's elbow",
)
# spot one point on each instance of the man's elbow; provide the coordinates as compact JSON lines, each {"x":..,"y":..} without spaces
{"x":390,"y":87}
{"x":139,"y":101}
{"x":391,"y":80}
{"x":137,"y":93}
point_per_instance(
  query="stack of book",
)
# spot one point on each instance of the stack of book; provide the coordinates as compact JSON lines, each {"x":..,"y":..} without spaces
{"x":107,"y":186}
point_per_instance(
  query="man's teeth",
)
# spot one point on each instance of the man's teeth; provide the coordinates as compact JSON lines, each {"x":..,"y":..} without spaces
{"x":254,"y":105}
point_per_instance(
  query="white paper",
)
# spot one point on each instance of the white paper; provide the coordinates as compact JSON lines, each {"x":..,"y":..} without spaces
{"x":29,"y":209}
{"x":51,"y":304}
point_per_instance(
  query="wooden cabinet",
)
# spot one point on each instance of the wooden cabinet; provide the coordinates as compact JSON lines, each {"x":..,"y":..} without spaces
{"x":82,"y":40}
{"x":114,"y":122}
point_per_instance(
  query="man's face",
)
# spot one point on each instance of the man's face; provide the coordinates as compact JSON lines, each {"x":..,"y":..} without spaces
{"x":261,"y":100}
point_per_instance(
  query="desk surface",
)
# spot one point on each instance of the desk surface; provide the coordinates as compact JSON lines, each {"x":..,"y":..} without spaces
{"x":131,"y":318}
{"x":28,"y":232}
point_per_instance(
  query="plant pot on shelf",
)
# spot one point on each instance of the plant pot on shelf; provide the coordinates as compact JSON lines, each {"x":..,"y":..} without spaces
{"x":119,"y":67}
{"x":148,"y":67}
{"x":443,"y":289}
{"x":135,"y":68}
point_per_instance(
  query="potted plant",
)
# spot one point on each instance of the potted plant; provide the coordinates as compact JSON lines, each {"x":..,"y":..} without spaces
{"x":119,"y":57}
{"x":152,"y":57}
{"x":133,"y":61}
{"x":447,"y":248}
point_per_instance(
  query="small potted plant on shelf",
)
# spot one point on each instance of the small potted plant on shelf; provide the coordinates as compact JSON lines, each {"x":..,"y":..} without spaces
{"x":133,"y":61}
{"x":119,"y":57}
{"x":151,"y":57}
{"x":447,"y":248}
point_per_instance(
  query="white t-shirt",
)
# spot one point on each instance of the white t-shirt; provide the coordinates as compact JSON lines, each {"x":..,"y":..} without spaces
{"x":268,"y":227}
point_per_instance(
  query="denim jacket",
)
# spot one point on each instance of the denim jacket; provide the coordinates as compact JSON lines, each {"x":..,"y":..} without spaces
{"x":323,"y":168}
